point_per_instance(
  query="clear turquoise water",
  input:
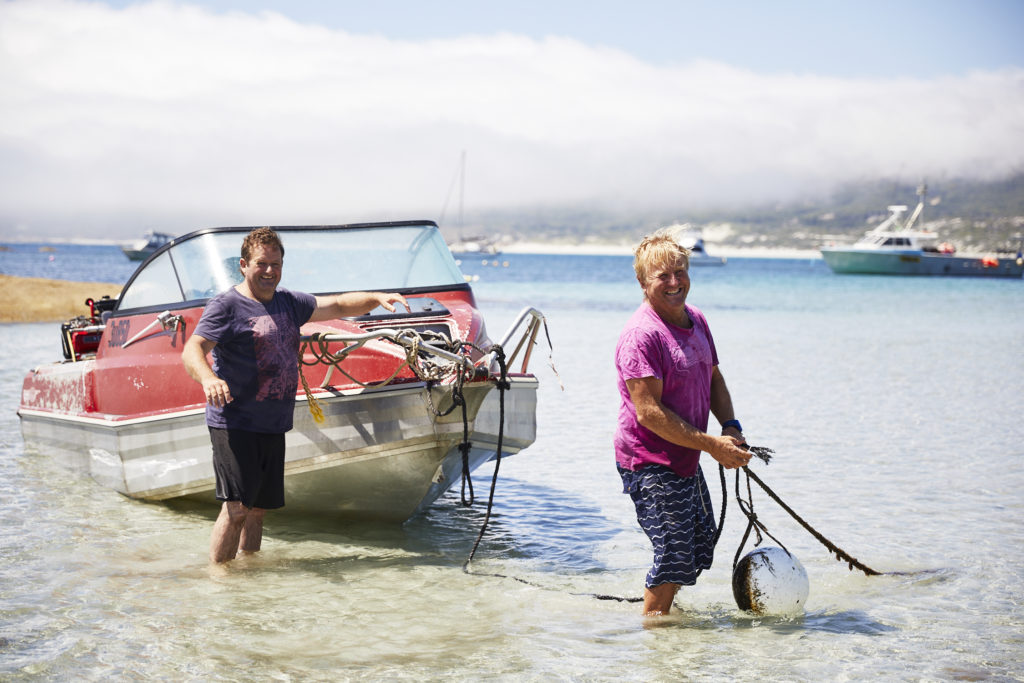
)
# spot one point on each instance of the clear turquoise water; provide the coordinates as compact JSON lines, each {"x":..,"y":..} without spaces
{"x":894,"y":407}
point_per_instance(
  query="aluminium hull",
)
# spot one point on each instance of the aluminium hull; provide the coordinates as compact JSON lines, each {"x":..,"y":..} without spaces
{"x":380,"y":454}
{"x":874,"y":262}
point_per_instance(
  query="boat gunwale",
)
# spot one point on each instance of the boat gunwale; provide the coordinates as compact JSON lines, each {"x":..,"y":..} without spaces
{"x":328,"y":394}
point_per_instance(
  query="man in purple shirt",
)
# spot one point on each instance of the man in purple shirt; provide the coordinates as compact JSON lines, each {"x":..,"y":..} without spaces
{"x":252,"y":332}
{"x":669,"y":382}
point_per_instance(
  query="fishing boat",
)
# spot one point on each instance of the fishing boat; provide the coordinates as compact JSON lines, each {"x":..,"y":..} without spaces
{"x":144,"y":248}
{"x":392,"y":408}
{"x":895,"y":247}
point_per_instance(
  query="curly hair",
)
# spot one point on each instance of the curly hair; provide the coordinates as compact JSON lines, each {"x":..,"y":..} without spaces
{"x":660,"y":249}
{"x":260,"y":237}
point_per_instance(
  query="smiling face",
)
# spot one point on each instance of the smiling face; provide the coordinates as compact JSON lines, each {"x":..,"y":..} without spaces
{"x":262,"y":272}
{"x":665,"y":287}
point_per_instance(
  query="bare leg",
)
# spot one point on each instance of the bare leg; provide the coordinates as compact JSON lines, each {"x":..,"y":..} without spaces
{"x":658,"y":600}
{"x":252,"y":531}
{"x":226,"y":531}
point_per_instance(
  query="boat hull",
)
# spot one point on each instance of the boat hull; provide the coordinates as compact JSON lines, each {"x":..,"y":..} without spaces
{"x":707,"y":261}
{"x":872,"y":262}
{"x":380,"y":454}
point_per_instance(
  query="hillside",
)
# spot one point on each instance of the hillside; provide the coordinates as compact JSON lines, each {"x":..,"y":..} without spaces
{"x":973,"y":215}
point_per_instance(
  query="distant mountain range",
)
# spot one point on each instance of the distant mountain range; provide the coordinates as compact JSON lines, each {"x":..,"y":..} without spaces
{"x":974,"y":215}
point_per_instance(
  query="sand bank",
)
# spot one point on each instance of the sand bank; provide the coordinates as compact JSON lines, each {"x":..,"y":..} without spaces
{"x":33,"y":299}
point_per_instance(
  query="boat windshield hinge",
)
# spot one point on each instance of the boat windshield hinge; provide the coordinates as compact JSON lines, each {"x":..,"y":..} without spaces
{"x":166,"y":320}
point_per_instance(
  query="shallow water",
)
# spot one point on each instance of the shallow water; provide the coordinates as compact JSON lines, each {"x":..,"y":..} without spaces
{"x":894,"y":407}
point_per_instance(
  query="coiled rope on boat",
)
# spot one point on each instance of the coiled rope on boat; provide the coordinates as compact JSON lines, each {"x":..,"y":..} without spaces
{"x":430,"y":370}
{"x":425,"y":367}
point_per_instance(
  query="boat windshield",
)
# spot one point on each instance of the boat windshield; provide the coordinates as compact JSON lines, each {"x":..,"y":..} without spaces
{"x":317,"y":260}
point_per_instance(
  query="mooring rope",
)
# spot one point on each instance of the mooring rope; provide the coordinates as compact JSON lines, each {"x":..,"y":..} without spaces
{"x":840,"y":554}
{"x":746,"y":506}
{"x":502,"y":385}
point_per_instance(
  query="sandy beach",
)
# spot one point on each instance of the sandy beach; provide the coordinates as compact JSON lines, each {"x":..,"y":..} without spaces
{"x":32,"y":299}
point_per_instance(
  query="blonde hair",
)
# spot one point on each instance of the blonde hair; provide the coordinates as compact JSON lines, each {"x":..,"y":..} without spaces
{"x":659,"y":250}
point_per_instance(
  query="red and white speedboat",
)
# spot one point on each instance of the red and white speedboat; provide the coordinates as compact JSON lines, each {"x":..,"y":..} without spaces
{"x":386,"y":400}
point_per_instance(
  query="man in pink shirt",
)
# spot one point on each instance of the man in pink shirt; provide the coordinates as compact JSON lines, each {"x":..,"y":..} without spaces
{"x":669,"y":382}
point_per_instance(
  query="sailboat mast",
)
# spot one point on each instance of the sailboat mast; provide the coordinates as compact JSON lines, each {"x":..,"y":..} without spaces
{"x":462,"y":188}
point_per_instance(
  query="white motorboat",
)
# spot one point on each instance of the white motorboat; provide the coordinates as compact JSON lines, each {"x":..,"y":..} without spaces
{"x":699,"y":255}
{"x":895,"y":247}
{"x":693,"y":240}
{"x":144,"y":248}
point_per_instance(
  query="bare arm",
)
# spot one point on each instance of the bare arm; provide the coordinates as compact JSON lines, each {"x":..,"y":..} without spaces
{"x":194,"y":358}
{"x":645,"y":393}
{"x":354,"y":303}
{"x":721,"y":403}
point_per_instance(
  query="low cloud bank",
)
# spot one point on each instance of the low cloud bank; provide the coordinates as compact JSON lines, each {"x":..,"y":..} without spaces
{"x":165,"y":115}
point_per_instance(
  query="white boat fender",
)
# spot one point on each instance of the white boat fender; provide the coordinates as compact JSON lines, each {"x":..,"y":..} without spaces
{"x":770,"y":581}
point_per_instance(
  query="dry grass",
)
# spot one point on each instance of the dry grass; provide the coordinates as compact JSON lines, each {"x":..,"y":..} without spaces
{"x":33,"y":299}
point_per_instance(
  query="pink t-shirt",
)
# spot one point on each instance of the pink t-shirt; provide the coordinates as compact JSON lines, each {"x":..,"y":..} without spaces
{"x":683,"y":360}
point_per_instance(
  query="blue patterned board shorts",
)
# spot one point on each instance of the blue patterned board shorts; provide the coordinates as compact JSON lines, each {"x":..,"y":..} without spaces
{"x":676,"y":514}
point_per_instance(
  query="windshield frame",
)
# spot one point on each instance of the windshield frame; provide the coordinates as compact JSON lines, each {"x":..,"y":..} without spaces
{"x":442,"y":270}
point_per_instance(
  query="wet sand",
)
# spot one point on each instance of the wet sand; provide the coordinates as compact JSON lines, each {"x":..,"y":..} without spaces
{"x":32,"y":299}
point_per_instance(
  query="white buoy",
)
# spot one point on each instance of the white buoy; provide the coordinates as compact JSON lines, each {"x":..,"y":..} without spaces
{"x":770,"y":581}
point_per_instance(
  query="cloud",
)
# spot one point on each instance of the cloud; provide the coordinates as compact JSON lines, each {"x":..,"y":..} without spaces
{"x":172,"y":116}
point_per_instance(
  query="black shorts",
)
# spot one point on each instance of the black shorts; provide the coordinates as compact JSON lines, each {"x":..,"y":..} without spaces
{"x":249,"y":467}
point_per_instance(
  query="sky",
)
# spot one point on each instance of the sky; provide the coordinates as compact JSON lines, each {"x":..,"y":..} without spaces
{"x":119,"y":117}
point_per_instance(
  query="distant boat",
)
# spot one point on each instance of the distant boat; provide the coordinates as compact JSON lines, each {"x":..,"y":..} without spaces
{"x":477,"y":245}
{"x":693,"y":240}
{"x":896,"y":248}
{"x":698,"y":255}
{"x":141,"y":250}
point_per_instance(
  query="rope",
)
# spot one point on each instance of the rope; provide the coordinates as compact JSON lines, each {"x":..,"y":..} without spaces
{"x":503,"y":385}
{"x":465,"y":447}
{"x":424,"y":367}
{"x":840,"y":554}
{"x":314,"y":404}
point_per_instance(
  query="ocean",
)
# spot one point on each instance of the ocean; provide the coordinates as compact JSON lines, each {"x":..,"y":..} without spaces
{"x":893,"y":406}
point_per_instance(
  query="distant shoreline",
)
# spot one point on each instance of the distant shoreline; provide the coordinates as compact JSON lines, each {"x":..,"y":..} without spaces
{"x":627,"y":250}
{"x":36,"y":300}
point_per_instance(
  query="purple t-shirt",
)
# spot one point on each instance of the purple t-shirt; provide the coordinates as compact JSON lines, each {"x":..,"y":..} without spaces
{"x":257,"y":355}
{"x":683,"y":360}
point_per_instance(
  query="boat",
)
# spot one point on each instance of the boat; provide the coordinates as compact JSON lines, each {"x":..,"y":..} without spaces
{"x":392,"y":408}
{"x":144,"y":248}
{"x":895,"y":247}
{"x":467,"y":246}
{"x":693,"y":240}
{"x":698,"y":254}
{"x":480,"y":245}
